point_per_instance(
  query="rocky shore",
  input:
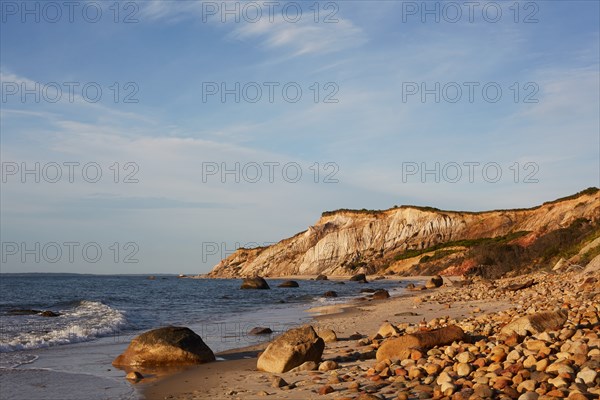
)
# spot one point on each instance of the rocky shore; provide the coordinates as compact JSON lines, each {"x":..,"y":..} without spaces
{"x":531,"y":337}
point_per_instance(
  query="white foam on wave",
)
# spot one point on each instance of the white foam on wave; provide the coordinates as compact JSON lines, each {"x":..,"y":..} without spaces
{"x":87,"y":321}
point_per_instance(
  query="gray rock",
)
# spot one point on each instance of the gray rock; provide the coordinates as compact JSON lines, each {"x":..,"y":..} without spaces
{"x":255,"y":283}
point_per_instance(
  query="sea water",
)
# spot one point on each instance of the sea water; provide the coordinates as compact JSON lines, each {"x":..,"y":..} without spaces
{"x":69,"y":356}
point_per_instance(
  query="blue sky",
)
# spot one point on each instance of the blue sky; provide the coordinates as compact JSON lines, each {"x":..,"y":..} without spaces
{"x":360,"y":121}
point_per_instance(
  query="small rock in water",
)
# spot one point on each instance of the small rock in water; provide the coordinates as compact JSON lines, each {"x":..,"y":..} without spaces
{"x":260,"y":331}
{"x":289,"y":284}
{"x":50,"y":314}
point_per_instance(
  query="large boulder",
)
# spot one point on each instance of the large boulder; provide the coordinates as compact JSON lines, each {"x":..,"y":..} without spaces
{"x":254,"y":283}
{"x":287,"y":284}
{"x":536,"y":323}
{"x":291,"y":349}
{"x":400,"y":347}
{"x":359,"y":278}
{"x":434,"y":282}
{"x":171,"y":345}
{"x":321,"y":278}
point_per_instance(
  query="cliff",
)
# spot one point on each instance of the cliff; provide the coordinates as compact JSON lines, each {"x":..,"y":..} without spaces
{"x":344,"y":242}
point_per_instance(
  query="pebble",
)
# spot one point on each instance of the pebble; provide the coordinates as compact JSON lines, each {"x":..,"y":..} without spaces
{"x":529,"y":362}
{"x":328,"y":366}
{"x":483,"y":391}
{"x":529,"y":396}
{"x":444,"y":377}
{"x":447,"y":388}
{"x":560,"y":368}
{"x":587,"y":375}
{"x":432,"y":369}
{"x":513,"y":356}
{"x":558,"y":382}
{"x":555,"y":364}
{"x":463,"y":369}
{"x":526,"y":386}
{"x":465,"y":357}
{"x":542,"y":365}
{"x":325,"y":390}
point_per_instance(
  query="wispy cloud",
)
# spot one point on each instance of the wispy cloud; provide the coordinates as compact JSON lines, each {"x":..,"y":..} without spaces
{"x":66,"y":99}
{"x":303,"y":37}
{"x":273,"y":30}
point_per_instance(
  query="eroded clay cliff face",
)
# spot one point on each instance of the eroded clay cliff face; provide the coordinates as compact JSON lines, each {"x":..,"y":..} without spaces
{"x":342,"y":241}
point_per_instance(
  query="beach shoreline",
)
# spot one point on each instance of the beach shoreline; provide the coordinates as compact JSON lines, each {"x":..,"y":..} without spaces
{"x":498,"y":364}
{"x":354,"y":316}
{"x":243,"y":359}
{"x":218,"y":311}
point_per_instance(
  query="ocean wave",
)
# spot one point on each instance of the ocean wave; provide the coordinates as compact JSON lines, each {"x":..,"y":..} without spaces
{"x":86,"y":321}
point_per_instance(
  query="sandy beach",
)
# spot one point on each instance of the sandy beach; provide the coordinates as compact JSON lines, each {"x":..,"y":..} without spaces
{"x":481,"y":308}
{"x":236,"y":376}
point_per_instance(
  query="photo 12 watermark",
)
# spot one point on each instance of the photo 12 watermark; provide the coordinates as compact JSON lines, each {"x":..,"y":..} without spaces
{"x":224,"y":250}
{"x":469,"y":172}
{"x":253,"y":12}
{"x":54,"y":12}
{"x":69,"y":172}
{"x":269,"y":92}
{"x":71,"y":92}
{"x":469,"y":92}
{"x":69,"y":252}
{"x":452,"y":12}
{"x":269,"y":172}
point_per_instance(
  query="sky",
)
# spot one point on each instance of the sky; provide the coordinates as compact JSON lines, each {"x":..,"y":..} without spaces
{"x":143,"y":137}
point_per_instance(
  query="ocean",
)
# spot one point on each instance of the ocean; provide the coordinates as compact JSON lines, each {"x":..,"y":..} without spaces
{"x":69,"y":356}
